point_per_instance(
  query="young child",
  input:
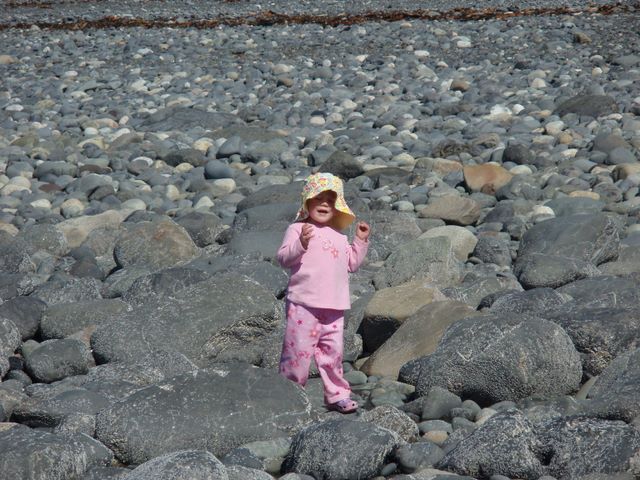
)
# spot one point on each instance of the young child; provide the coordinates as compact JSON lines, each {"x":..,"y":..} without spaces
{"x":320,"y":259}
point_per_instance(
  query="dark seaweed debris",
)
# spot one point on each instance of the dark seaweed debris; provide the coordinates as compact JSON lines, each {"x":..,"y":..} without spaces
{"x":270,"y":18}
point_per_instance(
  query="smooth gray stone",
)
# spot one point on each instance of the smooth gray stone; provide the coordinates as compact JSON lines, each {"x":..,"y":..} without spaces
{"x":233,"y":146}
{"x":264,"y":243}
{"x":140,"y":245}
{"x":342,"y":164}
{"x":438,"y":404}
{"x":580,"y":446}
{"x":56,"y":359}
{"x":38,"y":455}
{"x":561,"y":250}
{"x":481,"y":358}
{"x":57,"y":169}
{"x":183,"y":465}
{"x":289,"y":193}
{"x":50,"y":409}
{"x":168,"y":119}
{"x":518,"y":154}
{"x":321,"y":155}
{"x":88,"y":183}
{"x":233,"y":323}
{"x":574,"y":205}
{"x":203,"y":228}
{"x":588,"y":105}
{"x":62,"y":320}
{"x":621,"y":155}
{"x":416,"y":456}
{"x":221,"y":409}
{"x":369,"y":448}
{"x":615,"y":394}
{"x":187,"y":155}
{"x":266,"y":217}
{"x":505,"y":445}
{"x":607,"y":142}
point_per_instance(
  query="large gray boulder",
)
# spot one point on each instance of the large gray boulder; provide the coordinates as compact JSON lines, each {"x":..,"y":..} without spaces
{"x":64,"y":319}
{"x":68,"y":290}
{"x":56,"y":359}
{"x":118,"y":380}
{"x":588,"y":105}
{"x":270,"y":276}
{"x":216,"y":410}
{"x":388,"y":231}
{"x":604,"y":291}
{"x":490,"y":358}
{"x":158,"y":244}
{"x":430,"y":259}
{"x":164,"y":283}
{"x":350,"y":450}
{"x":37,"y":455}
{"x":9,"y":343}
{"x":577,"y":446}
{"x":25,"y":312}
{"x":561,"y":250}
{"x":44,"y":237}
{"x":616,"y":393}
{"x":504,"y":445}
{"x":183,"y":465}
{"x":534,"y":301}
{"x":229,"y":314}
{"x":50,"y":410}
{"x":599,"y":333}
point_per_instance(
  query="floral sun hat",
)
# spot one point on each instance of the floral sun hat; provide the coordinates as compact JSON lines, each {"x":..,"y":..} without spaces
{"x":321,"y":182}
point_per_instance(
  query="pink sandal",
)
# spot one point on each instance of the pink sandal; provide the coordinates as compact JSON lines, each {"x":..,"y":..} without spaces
{"x":346,"y":405}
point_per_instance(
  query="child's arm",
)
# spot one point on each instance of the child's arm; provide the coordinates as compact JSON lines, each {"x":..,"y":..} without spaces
{"x":359,"y":247}
{"x":291,"y":249}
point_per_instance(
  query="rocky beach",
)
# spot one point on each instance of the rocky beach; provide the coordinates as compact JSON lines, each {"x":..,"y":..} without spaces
{"x":152,"y":154}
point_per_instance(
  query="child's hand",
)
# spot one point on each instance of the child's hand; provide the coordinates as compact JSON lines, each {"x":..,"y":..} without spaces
{"x":306,"y":235}
{"x":363,"y":231}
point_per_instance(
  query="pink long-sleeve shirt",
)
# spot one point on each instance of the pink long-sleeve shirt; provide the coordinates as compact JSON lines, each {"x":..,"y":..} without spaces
{"x":320,"y":274}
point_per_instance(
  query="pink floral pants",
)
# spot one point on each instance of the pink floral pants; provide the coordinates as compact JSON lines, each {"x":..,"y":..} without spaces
{"x":315,"y":332}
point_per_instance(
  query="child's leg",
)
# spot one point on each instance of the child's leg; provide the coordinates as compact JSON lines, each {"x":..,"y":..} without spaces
{"x":300,"y":340}
{"x":328,"y":355}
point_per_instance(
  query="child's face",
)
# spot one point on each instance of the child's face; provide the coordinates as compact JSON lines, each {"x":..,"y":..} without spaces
{"x":322,"y":207}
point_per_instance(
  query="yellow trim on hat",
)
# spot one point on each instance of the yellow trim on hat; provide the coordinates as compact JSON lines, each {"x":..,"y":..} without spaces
{"x":317,"y":183}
